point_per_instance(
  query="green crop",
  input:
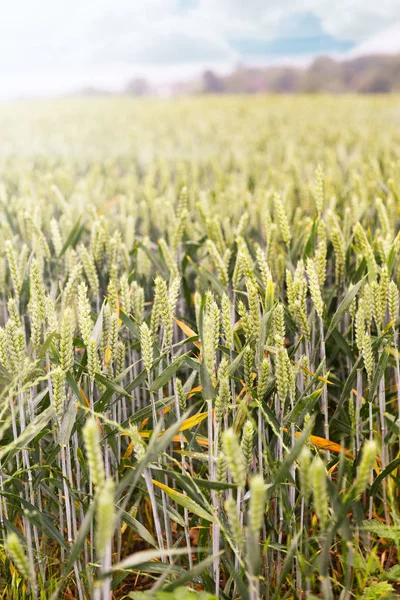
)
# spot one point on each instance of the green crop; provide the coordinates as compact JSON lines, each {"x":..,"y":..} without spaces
{"x":199,"y":365}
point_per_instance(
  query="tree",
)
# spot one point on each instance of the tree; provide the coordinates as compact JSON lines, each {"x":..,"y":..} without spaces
{"x":212,"y":84}
{"x":139,"y":87}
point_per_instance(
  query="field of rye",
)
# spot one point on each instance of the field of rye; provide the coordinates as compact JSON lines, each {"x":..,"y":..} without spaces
{"x":199,"y":366}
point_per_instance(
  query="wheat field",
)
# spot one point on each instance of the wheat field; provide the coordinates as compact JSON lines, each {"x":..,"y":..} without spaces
{"x":199,"y":366}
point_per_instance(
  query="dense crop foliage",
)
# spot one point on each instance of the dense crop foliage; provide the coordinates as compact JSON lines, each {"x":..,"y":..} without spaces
{"x":199,"y":348}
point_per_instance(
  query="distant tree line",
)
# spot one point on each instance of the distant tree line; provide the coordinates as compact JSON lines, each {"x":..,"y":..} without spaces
{"x":375,"y":74}
{"x":368,"y":74}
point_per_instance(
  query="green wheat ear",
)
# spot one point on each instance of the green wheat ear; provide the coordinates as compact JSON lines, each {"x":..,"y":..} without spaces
{"x":59,"y":393}
{"x":211,"y":330}
{"x":93,"y":360}
{"x":393,"y":301}
{"x":14,"y":271}
{"x":138,"y":444}
{"x":257,"y":503}
{"x":15,"y":344}
{"x":368,"y":458}
{"x":278,"y":325}
{"x":248,"y":359}
{"x":340,"y":253}
{"x":368,"y":355}
{"x":4,"y":354}
{"x":305,"y":471}
{"x":89,"y":268}
{"x":263,"y":376}
{"x":15,"y":550}
{"x":313,"y":284}
{"x":137,"y":301}
{"x":222,"y":470}
{"x":66,"y":340}
{"x":254,"y":306}
{"x":234,"y":457}
{"x":56,"y":236}
{"x":282,"y":219}
{"x":37,"y":290}
{"x":94,"y":454}
{"x":320,"y":490}
{"x":84,"y":314}
{"x":146,"y":344}
{"x":113,"y":337}
{"x":319,"y":189}
{"x":246,"y":443}
{"x":283,"y":373}
{"x":161,"y":310}
{"x":182,"y":397}
{"x":125,"y":294}
{"x":105,"y":516}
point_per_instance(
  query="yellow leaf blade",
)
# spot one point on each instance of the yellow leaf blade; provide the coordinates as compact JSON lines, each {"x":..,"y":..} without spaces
{"x":324,"y":444}
{"x":193,"y":421}
{"x":188,"y":331}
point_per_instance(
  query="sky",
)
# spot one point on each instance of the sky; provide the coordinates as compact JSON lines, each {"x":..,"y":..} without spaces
{"x":56,"y":46}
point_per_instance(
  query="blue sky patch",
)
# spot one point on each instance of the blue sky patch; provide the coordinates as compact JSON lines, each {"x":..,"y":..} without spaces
{"x":298,"y":34}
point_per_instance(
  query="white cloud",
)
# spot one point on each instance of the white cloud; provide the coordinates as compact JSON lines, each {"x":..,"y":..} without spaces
{"x":384,"y":42}
{"x":357,"y":19}
{"x":347,"y":19}
{"x":174,"y":47}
